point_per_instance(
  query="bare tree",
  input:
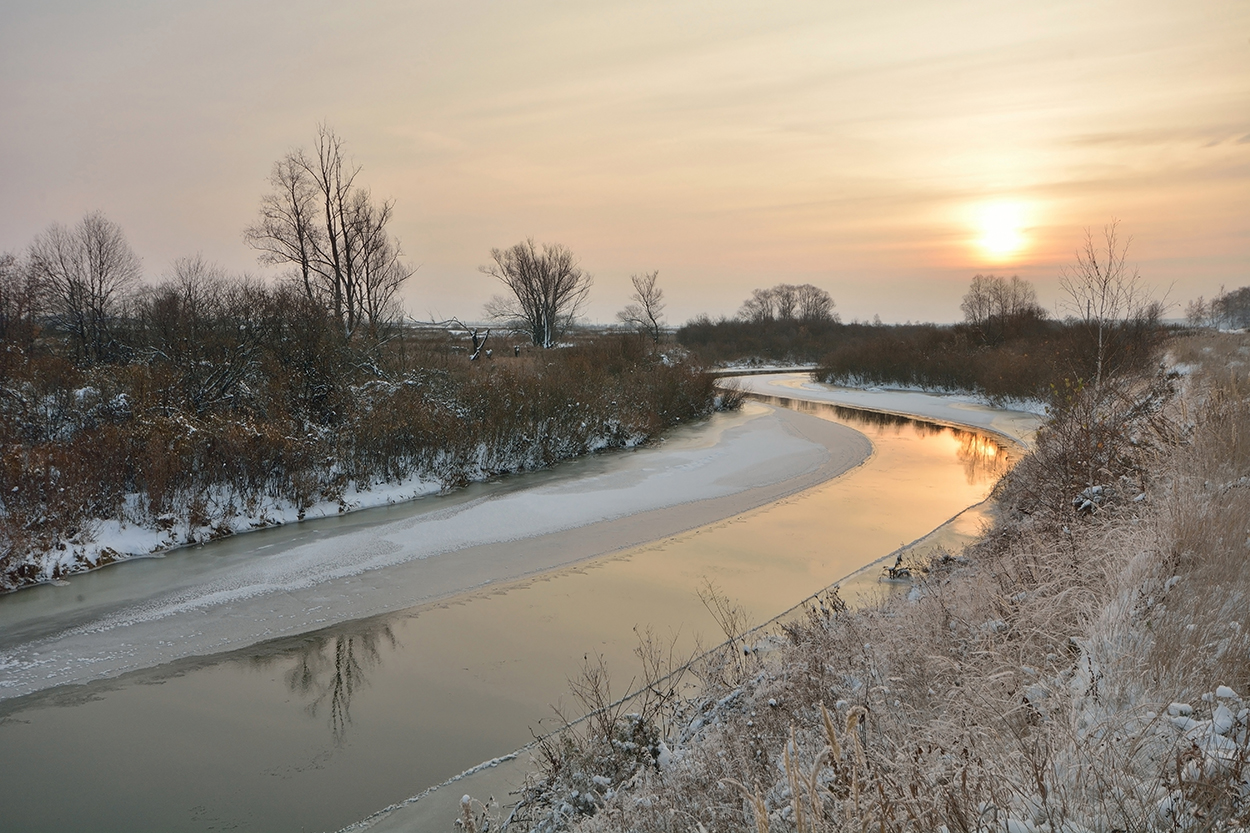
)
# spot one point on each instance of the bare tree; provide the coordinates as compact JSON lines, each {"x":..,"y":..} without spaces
{"x":331,"y":231}
{"x":646,"y":313}
{"x":547,"y":289}
{"x":86,"y":271}
{"x":787,"y":302}
{"x":815,"y":304}
{"x":22,"y":300}
{"x":1103,"y":290}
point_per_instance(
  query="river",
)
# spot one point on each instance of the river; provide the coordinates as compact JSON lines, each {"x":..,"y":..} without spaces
{"x":324,"y":725}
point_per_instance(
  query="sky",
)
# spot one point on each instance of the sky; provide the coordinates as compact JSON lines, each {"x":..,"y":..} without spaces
{"x":886,"y":152}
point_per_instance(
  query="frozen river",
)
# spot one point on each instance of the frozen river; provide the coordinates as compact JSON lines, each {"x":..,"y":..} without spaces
{"x":300,"y":678}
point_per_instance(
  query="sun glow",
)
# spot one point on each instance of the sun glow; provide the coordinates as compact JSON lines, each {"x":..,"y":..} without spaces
{"x":1001,"y":227}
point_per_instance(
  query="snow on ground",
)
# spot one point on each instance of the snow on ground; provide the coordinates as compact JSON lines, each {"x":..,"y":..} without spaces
{"x":954,"y":409}
{"x":115,"y":539}
{"x":240,"y":591}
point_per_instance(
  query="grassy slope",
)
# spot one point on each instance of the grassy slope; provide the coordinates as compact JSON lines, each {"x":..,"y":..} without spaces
{"x":1076,"y":670}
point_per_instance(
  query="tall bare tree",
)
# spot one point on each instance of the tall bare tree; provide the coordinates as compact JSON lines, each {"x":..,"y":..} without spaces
{"x":547,"y":289}
{"x":1104,"y":291}
{"x":86,"y":270}
{"x":646,"y":313}
{"x":317,"y":220}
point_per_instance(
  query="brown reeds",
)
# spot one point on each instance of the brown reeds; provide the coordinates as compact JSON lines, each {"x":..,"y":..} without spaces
{"x":1081,"y":668}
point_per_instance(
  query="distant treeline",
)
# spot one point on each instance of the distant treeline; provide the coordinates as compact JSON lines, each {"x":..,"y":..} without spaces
{"x":1006,"y":348}
{"x":1036,"y":362}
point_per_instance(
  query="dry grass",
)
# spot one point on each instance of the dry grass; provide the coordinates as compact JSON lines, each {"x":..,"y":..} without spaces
{"x":82,"y":445}
{"x":1065,"y":675}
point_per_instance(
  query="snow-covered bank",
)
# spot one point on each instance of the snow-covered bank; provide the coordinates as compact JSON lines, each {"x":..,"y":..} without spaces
{"x":235,"y":593}
{"x":111,"y":540}
{"x":1019,"y":425}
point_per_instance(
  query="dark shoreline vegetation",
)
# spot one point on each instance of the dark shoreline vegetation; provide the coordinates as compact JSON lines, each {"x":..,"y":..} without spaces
{"x":227,"y":401}
{"x":1029,"y":357}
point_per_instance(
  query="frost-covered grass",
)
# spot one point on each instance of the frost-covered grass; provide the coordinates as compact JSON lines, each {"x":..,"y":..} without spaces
{"x":1085,"y":667}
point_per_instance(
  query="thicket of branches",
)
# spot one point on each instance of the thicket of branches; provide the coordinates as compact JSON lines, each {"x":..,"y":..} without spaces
{"x":206,"y":399}
{"x":735,"y":339}
{"x":1035,"y":360}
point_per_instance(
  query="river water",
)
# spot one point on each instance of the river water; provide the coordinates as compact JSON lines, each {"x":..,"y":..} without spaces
{"x":315,"y":731}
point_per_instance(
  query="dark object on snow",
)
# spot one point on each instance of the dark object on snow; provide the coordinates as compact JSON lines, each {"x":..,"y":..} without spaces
{"x":898,"y":572}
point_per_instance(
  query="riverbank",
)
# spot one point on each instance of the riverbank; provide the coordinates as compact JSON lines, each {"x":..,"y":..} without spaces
{"x":321,"y":729}
{"x":1082,"y":667}
{"x":104,"y":463}
{"x":240,"y":592}
{"x":434,"y":809}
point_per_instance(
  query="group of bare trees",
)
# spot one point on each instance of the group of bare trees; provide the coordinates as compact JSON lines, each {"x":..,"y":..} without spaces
{"x":996,"y":308}
{"x":787,"y":302}
{"x":1227,"y":309}
{"x":333,"y":234}
{"x":83,"y":282}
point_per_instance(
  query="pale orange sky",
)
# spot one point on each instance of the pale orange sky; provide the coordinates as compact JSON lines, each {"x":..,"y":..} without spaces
{"x":860,"y":147}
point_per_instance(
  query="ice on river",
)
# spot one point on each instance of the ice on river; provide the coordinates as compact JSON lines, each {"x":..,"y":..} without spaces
{"x":238,"y":592}
{"x":954,"y":409}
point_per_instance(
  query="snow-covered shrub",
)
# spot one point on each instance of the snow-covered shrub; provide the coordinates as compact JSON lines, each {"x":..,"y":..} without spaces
{"x":185,"y":445}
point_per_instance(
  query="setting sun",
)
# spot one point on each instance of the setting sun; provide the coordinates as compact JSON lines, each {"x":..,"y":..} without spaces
{"x":1001,"y":230}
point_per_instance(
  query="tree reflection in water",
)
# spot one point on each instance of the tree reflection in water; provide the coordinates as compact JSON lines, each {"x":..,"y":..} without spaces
{"x":330,"y":668}
{"x":985,"y":459}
